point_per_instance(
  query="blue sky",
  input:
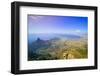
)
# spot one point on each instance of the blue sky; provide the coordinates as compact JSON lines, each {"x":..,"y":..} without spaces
{"x":57,"y":24}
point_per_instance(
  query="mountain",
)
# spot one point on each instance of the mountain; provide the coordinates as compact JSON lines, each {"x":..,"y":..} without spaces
{"x":38,"y":44}
{"x":54,"y":48}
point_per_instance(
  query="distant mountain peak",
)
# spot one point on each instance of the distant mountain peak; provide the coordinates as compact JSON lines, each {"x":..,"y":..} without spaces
{"x":39,"y":40}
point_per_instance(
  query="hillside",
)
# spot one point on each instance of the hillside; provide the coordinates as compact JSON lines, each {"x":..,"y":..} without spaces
{"x":58,"y":48}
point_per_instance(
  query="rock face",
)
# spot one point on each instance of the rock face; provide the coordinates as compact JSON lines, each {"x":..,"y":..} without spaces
{"x":70,"y":56}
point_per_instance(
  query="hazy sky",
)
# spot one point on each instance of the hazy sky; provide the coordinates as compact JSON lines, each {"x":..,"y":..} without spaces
{"x":57,"y":24}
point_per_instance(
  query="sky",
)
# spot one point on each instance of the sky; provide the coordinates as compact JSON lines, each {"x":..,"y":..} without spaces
{"x":57,"y":24}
